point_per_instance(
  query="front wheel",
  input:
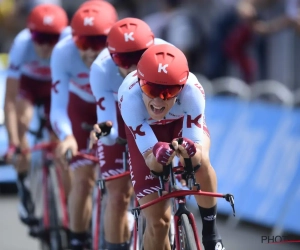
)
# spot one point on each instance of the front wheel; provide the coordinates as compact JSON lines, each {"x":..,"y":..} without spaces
{"x":187,"y":237}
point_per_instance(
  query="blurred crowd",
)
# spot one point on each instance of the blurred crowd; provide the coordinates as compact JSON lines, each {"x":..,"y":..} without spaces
{"x":249,"y":39}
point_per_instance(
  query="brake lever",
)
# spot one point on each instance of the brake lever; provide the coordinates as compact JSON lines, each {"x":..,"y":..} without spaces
{"x":230,"y":199}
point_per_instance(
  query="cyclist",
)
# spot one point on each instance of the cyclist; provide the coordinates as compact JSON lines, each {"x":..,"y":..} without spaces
{"x":126,"y":42}
{"x":72,"y":104}
{"x":29,"y":83}
{"x":160,"y":102}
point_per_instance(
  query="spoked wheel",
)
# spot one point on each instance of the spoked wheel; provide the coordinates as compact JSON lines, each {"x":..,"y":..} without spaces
{"x":187,"y":238}
{"x":52,"y":233}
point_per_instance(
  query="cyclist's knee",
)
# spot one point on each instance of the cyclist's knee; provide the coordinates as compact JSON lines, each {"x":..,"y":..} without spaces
{"x":119,"y":193}
{"x":158,"y":225}
{"x":157,"y":216}
{"x":83,"y":182}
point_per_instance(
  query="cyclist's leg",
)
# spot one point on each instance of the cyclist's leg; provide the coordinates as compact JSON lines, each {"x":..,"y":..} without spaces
{"x":80,"y":203}
{"x":157,"y":223}
{"x":115,"y":219}
{"x":24,"y":113}
{"x":206,"y":177}
{"x":24,"y":107}
{"x":82,"y":173}
{"x":118,"y":192}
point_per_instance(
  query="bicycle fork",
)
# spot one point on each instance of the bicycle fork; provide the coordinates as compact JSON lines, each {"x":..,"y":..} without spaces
{"x":177,"y":221}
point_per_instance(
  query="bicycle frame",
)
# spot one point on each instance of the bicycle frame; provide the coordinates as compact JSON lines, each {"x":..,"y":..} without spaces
{"x":47,"y":156}
{"x":179,"y":196}
{"x":100,"y":193}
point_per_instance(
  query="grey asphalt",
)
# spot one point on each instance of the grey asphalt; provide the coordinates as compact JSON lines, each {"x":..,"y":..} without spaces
{"x":13,"y":235}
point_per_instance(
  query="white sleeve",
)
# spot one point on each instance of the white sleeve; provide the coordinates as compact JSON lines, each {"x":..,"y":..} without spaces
{"x":192,"y":100}
{"x":17,"y":55}
{"x":59,"y":117}
{"x":106,"y":104}
{"x":133,"y":112}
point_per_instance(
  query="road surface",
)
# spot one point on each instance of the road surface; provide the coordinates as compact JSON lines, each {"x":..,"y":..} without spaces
{"x":13,"y":235}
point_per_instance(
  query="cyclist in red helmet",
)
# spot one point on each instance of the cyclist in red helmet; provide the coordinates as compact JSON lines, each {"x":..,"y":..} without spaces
{"x":73,"y":104}
{"x":29,"y":83}
{"x":127,"y":40}
{"x":160,"y":102}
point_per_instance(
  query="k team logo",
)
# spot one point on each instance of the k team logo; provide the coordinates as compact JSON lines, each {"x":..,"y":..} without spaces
{"x":48,"y":20}
{"x":137,"y":131}
{"x":128,"y":37}
{"x":88,"y":21}
{"x":163,"y":68}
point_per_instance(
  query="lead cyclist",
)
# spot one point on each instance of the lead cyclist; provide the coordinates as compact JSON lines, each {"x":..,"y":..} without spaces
{"x":159,"y":102}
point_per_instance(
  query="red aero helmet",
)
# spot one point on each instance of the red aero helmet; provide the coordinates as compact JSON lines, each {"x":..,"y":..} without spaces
{"x":129,"y":34}
{"x":47,"y":18}
{"x":93,"y":19}
{"x":163,"y":64}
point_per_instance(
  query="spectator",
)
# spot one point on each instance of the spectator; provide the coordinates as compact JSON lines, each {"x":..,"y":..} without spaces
{"x":179,"y":26}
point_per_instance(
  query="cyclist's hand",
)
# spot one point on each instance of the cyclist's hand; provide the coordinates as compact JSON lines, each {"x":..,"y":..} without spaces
{"x":99,"y":130}
{"x":163,"y":153}
{"x":68,"y":143}
{"x":186,"y":149}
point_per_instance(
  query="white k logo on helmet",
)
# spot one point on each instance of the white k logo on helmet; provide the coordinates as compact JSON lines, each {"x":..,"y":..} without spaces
{"x":48,"y":20}
{"x":88,"y":21}
{"x":163,"y":68}
{"x":129,"y":36}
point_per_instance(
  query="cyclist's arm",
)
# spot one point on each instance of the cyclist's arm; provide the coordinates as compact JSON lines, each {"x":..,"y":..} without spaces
{"x":10,"y":111}
{"x":16,"y":58}
{"x":135,"y":116}
{"x":106,"y":104}
{"x":192,"y":101}
{"x":59,"y":117}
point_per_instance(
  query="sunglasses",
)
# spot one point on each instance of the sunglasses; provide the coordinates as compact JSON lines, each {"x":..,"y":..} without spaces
{"x":44,"y":38}
{"x":127,"y":59}
{"x":165,"y":92}
{"x":95,"y":43}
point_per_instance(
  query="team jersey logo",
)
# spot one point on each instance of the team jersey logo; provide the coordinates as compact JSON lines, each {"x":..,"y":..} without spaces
{"x":137,"y":131}
{"x":99,"y":103}
{"x":194,"y":121}
{"x":54,"y":86}
{"x":163,"y":68}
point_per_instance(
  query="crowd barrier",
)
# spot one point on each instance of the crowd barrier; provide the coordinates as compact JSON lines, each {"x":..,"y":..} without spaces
{"x":255,"y":150}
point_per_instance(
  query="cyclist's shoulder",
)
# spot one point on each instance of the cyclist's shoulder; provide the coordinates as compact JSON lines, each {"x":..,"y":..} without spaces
{"x":192,"y":79}
{"x":65,"y":33}
{"x":22,"y":39}
{"x":64,"y":47}
{"x":129,"y":86}
{"x":192,"y":86}
{"x":160,"y":41}
{"x":103,"y":61}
